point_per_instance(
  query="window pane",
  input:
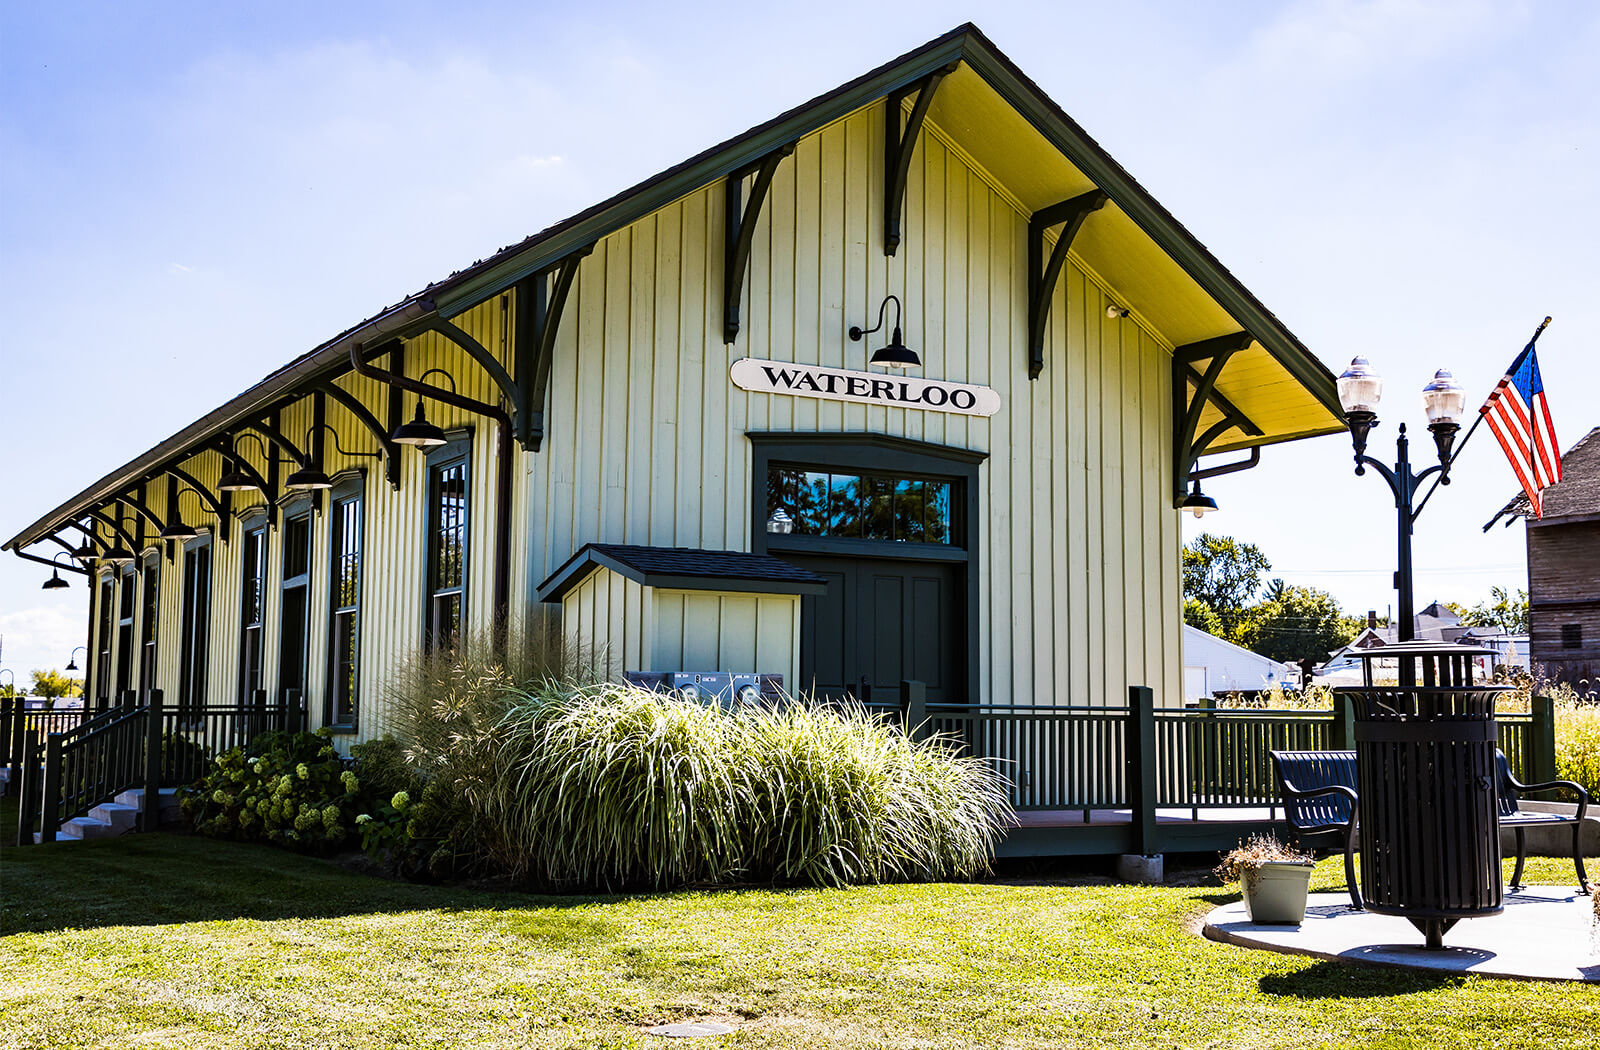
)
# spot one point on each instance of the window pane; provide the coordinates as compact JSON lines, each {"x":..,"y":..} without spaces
{"x":879,"y":510}
{"x":296,"y":547}
{"x":844,"y":505}
{"x":909,"y":510}
{"x":937,"y":522}
{"x":811,"y":505}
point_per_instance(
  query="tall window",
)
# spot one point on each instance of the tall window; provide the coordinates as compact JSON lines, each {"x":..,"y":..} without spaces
{"x":127,"y":592}
{"x":344,"y":581}
{"x":294,"y":617}
{"x":447,"y":543}
{"x":149,"y":610}
{"x":103,"y":641}
{"x":195,"y":630}
{"x":252,"y":612}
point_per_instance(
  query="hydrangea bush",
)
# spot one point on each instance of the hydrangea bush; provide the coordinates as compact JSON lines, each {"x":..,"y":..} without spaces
{"x":286,"y":788}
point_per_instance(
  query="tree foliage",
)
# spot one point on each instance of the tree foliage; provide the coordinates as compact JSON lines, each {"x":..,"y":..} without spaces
{"x":1298,"y":623}
{"x":1504,"y":611}
{"x":1197,"y":613}
{"x":55,"y":684}
{"x":1224,"y":574}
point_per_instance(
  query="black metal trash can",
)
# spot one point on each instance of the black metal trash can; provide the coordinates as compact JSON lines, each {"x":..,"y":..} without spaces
{"x":1429,"y":832}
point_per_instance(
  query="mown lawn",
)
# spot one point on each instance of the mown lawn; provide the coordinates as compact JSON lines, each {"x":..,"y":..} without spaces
{"x":169,"y":941}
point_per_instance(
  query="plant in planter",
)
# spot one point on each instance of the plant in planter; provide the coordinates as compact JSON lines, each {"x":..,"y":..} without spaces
{"x":1273,"y":878}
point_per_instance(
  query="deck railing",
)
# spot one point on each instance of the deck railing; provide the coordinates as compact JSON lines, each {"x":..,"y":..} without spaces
{"x":136,"y":744}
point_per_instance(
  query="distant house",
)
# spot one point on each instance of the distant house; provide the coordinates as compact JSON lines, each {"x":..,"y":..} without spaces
{"x":1436,"y":623}
{"x":1213,"y":666}
{"x":1564,"y":568}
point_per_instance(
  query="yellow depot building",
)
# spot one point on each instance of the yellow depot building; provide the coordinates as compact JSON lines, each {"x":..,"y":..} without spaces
{"x":909,"y":383}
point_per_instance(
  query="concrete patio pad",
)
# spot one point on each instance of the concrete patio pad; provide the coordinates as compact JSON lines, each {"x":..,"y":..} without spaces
{"x":1546,"y":932}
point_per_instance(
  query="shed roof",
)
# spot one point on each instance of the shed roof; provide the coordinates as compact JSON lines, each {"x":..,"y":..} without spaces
{"x":1008,"y":125}
{"x":684,"y":568}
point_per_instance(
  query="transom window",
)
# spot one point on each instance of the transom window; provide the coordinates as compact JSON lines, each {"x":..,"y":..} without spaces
{"x":862,"y":505}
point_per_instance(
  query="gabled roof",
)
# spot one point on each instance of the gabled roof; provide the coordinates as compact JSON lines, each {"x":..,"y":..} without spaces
{"x":684,"y":568}
{"x":987,"y":91}
{"x":1575,"y":496}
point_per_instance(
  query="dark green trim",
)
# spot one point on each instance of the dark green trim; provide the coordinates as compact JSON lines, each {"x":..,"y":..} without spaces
{"x":897,"y":455}
{"x":364,"y":416}
{"x":1070,"y":215}
{"x":899,"y":143}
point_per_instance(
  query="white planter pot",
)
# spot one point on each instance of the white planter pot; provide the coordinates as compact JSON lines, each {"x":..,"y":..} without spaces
{"x":1275,"y":893}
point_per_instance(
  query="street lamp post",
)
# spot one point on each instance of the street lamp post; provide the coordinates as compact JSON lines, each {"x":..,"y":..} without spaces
{"x":1359,"y":390}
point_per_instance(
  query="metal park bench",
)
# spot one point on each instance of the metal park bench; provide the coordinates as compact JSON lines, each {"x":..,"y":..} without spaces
{"x":1513,"y":816}
{"x":1319,"y":801}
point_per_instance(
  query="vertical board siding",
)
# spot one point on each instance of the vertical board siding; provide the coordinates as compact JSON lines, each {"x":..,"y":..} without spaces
{"x":1079,"y":547}
{"x":1079,"y":544}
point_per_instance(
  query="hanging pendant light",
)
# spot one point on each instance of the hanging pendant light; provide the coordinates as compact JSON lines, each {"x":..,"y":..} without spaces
{"x":1197,"y":502}
{"x":55,"y":582}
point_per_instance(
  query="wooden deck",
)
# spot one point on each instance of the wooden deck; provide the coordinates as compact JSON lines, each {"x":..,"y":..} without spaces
{"x":1088,"y":832}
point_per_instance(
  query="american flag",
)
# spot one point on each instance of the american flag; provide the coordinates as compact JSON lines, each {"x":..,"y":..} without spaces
{"x":1517,"y":413}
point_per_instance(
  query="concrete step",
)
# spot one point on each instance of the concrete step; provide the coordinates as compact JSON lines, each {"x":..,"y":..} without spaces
{"x":121,"y":817}
{"x":134,"y":797}
{"x":85,"y":828}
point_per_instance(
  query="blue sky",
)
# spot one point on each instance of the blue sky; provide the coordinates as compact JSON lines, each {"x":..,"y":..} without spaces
{"x":191,"y":195}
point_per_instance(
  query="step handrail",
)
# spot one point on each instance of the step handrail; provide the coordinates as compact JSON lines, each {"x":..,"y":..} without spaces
{"x":68,"y":755}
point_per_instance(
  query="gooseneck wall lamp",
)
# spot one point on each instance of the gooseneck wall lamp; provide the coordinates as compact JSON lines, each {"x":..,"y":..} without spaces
{"x":237,"y":480}
{"x":177,"y":528}
{"x":118,"y":555}
{"x":1197,"y":502}
{"x":311,"y":477}
{"x":1360,"y":388}
{"x":419,"y":433}
{"x":896,"y":354}
{"x":55,"y":582}
{"x":72,"y":661}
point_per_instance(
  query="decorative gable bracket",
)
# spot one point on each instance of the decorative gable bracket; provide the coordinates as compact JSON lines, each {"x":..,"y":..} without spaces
{"x":1070,"y":216}
{"x":1191,"y":392}
{"x":899,"y":142}
{"x":739,"y":227}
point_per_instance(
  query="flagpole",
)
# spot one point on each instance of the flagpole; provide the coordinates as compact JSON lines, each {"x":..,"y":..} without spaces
{"x":1470,"y":431}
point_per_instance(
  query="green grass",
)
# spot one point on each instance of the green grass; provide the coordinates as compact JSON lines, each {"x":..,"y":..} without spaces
{"x":167,"y":941}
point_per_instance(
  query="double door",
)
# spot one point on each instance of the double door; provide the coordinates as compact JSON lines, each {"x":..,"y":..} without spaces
{"x":883,"y":620}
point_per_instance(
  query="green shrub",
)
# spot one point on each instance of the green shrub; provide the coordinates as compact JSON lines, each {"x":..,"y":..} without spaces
{"x":286,"y":788}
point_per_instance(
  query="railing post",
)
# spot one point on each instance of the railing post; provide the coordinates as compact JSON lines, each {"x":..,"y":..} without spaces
{"x":150,"y":814}
{"x":1540,"y":743}
{"x":16,"y":729}
{"x":28,"y":788}
{"x":50,"y":802}
{"x":1141,"y":770}
{"x":1342,"y":735}
{"x":914,"y":708}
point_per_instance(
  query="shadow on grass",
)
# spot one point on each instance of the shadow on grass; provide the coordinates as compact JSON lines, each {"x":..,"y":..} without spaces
{"x":1354,"y":980}
{"x":147,"y":880}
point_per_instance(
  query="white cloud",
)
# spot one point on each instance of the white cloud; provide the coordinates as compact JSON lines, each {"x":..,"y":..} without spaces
{"x":40,"y":637}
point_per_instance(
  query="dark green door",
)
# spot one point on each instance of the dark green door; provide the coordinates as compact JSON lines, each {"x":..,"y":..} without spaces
{"x":883,"y":620}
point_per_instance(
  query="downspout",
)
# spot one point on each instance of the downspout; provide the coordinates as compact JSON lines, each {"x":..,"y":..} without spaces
{"x":502,"y":469}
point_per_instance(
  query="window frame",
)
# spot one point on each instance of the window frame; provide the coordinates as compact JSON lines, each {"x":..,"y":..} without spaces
{"x":457,"y":451}
{"x":149,"y":618}
{"x":293,"y":512}
{"x":194,"y":623}
{"x":346,"y":491}
{"x":257,"y":529}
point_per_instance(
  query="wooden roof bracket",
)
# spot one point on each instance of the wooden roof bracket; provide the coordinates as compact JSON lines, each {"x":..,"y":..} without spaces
{"x":738,"y":229}
{"x":364,"y":416}
{"x":114,"y":526}
{"x":898,"y":145}
{"x":541,"y":300}
{"x":139,"y":506}
{"x":1188,"y":445}
{"x":1070,"y":216}
{"x":19,"y":552}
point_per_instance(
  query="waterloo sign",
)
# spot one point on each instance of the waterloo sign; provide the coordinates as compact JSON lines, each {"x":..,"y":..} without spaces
{"x":863,"y":388}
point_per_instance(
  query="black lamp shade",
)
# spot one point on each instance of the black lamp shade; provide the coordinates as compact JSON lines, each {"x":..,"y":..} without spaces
{"x":179,"y":531}
{"x":119,"y":555}
{"x":308,"y":479}
{"x":896,"y":354}
{"x":85,"y":552}
{"x":55,"y":582}
{"x":419,"y":432}
{"x":72,"y":664}
{"x":237,"y":481}
{"x":1198,"y":503}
